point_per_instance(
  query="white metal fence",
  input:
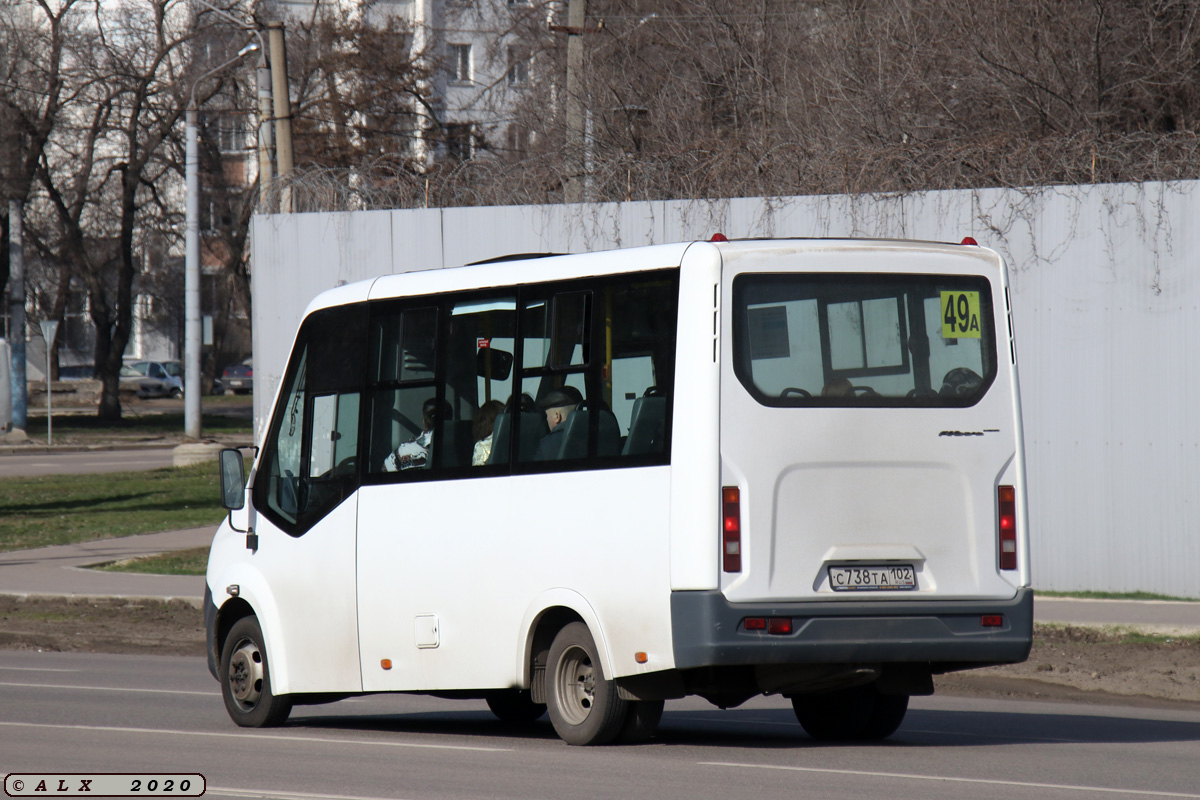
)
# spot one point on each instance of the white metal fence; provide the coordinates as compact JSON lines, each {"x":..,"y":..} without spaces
{"x":1106,"y":291}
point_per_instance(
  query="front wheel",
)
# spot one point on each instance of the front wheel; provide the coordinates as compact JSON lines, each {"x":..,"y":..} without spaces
{"x":584,"y":705}
{"x":246,"y":679}
{"x":860,"y":713}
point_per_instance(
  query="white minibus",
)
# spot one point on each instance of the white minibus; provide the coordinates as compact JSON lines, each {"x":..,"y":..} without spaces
{"x":587,"y":484}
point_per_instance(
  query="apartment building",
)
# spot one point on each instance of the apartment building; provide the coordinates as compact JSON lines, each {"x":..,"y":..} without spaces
{"x":480,"y":61}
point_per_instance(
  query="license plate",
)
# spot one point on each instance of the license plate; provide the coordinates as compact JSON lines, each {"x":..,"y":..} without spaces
{"x":873,"y":578}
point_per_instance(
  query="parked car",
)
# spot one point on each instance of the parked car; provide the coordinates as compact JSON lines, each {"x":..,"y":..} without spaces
{"x":133,"y":381}
{"x":238,"y":378}
{"x":169,"y":372}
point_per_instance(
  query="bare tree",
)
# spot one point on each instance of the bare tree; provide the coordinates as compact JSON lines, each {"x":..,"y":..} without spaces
{"x":32,"y":87}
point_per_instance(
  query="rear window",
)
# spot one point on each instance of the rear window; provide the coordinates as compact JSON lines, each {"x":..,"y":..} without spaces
{"x":859,"y":339}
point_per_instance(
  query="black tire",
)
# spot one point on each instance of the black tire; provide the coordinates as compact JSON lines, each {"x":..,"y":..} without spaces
{"x":584,"y":706}
{"x":515,"y":706}
{"x":860,"y":713}
{"x":641,"y":721}
{"x":246,"y":679}
{"x":886,"y":718}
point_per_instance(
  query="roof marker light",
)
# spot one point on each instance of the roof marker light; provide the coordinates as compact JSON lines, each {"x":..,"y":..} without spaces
{"x":718,"y":237}
{"x":970,"y":240}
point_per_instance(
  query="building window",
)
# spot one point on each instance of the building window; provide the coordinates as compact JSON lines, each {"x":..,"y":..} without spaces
{"x":460,"y":141}
{"x":518,"y":66}
{"x":517,"y":139}
{"x":231,"y":136}
{"x":459,"y":65}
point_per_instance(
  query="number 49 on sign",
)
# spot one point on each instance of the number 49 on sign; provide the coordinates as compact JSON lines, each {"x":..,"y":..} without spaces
{"x":960,"y":315}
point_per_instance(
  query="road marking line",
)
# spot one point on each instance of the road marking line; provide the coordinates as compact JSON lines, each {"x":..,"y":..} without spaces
{"x":39,"y":669}
{"x":284,"y":795}
{"x":257,"y":736}
{"x":108,"y":689}
{"x":951,"y":779}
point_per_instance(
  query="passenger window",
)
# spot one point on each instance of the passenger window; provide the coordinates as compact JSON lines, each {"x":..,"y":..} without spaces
{"x":405,"y":409}
{"x":479,"y":380}
{"x":599,"y":368}
{"x":309,"y":462}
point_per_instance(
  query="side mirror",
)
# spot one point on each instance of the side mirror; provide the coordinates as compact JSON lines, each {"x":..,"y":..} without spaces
{"x":233,"y":480}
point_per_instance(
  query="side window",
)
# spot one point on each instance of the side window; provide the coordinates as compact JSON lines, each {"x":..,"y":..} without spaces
{"x":310,"y":456}
{"x":598,"y":372}
{"x":641,"y":320}
{"x":478,"y":384}
{"x":404,"y":408}
{"x":556,"y":344}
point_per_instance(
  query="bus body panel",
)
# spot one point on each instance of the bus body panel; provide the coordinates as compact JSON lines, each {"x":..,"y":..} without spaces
{"x":302,"y":590}
{"x":474,"y":565}
{"x":695,"y":447}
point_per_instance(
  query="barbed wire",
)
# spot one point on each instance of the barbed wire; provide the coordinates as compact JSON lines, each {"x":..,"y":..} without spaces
{"x":783,"y":168}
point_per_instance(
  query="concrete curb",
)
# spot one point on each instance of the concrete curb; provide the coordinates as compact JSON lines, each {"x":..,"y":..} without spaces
{"x":194,"y":602}
{"x":43,"y":449}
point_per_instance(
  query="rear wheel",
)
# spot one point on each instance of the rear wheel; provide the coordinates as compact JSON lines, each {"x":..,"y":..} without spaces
{"x":641,"y":722}
{"x":246,"y":679}
{"x":584,"y":705}
{"x":859,"y":713}
{"x":515,"y":706}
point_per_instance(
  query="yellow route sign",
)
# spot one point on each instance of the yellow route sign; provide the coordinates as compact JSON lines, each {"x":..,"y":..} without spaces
{"x":960,"y":315}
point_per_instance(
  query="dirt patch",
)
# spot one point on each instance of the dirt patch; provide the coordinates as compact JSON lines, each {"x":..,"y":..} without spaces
{"x":101,"y":626}
{"x":1068,"y":664}
{"x":1093,"y":665}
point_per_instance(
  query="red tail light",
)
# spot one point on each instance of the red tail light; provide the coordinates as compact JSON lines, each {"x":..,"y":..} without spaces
{"x":1007,"y":504}
{"x":731,"y":529}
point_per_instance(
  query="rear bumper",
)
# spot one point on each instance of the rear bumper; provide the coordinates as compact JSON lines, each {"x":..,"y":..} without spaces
{"x":708,"y":632}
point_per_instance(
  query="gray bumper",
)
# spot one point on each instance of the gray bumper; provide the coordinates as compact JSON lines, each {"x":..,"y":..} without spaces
{"x":708,"y":632}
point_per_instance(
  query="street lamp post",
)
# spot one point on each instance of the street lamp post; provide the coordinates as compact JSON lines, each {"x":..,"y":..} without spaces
{"x":191,"y":259}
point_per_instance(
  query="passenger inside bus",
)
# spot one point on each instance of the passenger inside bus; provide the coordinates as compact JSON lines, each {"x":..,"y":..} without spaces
{"x":485,"y":420}
{"x":414,"y":454}
{"x":838,"y":387}
{"x":558,"y":404}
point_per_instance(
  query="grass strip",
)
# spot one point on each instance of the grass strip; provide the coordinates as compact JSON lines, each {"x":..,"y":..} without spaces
{"x":61,"y":509}
{"x":137,"y":426}
{"x":180,"y":562}
{"x":1116,"y":596}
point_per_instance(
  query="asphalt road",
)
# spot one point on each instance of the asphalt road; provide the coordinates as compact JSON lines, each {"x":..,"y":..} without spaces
{"x":83,"y":462}
{"x":84,"y":713}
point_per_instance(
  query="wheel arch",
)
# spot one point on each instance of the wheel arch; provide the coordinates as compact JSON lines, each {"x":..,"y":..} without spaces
{"x":255,"y":599}
{"x":544,"y":618}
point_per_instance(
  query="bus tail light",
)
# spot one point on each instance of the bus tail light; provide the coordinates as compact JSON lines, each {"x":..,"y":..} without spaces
{"x":1007,"y":503}
{"x":731,"y":529}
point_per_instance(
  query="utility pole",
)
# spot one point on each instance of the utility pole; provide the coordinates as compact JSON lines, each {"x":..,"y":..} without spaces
{"x":265,"y":138}
{"x":16,"y":310}
{"x":283,"y":113}
{"x":576,"y":14}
